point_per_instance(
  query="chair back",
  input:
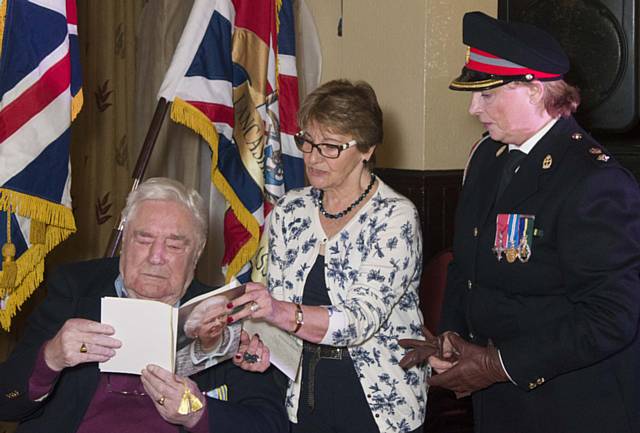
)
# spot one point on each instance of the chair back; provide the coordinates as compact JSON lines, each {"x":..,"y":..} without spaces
{"x":432,"y":285}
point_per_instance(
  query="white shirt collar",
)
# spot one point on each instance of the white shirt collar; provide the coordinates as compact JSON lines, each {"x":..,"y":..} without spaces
{"x":533,"y":140}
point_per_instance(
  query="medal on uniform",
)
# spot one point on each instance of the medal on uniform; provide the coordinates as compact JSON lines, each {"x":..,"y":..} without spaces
{"x":514,"y":237}
{"x":502,"y":235}
{"x":526,"y":237}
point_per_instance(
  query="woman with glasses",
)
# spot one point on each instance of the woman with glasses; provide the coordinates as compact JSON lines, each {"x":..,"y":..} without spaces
{"x":344,"y":268}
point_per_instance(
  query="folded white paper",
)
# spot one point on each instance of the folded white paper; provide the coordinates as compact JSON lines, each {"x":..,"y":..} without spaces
{"x":152,"y":332}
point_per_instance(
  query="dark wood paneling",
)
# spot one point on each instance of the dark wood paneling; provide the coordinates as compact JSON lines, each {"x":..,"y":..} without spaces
{"x":435,"y":193}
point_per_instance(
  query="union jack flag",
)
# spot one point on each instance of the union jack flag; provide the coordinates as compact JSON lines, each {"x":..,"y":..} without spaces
{"x":233,"y":80}
{"x":40,"y":91}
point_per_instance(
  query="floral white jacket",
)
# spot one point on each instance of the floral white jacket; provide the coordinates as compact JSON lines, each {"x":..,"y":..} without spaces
{"x":372,"y":272}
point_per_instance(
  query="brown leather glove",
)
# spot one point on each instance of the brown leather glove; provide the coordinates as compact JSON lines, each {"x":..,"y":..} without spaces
{"x":422,"y":349}
{"x":477,"y":368}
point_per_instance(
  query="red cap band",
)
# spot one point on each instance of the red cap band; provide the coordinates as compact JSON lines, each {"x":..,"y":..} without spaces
{"x":488,"y":63}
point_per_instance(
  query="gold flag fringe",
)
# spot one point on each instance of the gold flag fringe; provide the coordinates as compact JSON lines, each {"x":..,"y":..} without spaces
{"x":76,"y":104}
{"x":278,"y":7}
{"x":186,"y":114}
{"x":39,"y":209}
{"x":51,"y":223}
{"x":3,"y":16}
{"x":9,"y":268}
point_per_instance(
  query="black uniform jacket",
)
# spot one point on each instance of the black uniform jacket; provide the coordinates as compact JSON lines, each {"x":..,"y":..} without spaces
{"x":566,"y":321}
{"x":255,"y":403}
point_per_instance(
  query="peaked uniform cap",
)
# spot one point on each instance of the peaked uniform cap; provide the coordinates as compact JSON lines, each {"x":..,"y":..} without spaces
{"x":501,"y":52}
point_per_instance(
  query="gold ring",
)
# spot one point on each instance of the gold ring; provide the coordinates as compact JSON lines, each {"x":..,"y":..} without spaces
{"x":161,"y":400}
{"x":83,"y":348}
{"x":254,"y":307}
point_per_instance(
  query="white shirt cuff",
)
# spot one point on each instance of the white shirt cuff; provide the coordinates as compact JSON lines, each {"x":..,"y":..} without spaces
{"x":505,"y":368}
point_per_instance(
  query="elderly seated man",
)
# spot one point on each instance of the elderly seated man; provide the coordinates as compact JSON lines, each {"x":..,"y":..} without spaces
{"x":51,"y":381}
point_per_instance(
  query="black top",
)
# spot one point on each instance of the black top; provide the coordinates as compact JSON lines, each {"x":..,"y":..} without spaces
{"x":566,"y":320}
{"x":315,"y":288}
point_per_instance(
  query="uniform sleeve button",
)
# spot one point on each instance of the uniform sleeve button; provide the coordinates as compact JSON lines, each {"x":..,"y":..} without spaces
{"x":469,"y":284}
{"x":475,"y":232}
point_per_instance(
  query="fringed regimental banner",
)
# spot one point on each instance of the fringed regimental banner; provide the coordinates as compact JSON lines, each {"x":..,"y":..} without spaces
{"x":40,"y":95}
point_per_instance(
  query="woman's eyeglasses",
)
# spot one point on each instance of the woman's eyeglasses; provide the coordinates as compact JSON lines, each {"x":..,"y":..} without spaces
{"x":327,"y":150}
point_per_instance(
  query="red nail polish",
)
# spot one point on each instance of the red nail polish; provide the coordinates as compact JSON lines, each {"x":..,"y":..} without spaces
{"x":238,"y":355}
{"x":229,"y":319}
{"x":230,"y":305}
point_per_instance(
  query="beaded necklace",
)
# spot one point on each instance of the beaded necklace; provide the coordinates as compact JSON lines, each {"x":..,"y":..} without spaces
{"x":335,"y":216}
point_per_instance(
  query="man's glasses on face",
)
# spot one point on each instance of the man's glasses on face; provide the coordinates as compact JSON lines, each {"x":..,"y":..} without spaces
{"x":304,"y":143}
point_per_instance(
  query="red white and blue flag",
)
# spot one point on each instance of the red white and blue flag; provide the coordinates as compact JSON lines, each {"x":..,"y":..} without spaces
{"x":40,"y":95}
{"x":233,"y":80}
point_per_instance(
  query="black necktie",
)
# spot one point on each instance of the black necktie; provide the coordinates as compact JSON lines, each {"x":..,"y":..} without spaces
{"x":513,"y":160}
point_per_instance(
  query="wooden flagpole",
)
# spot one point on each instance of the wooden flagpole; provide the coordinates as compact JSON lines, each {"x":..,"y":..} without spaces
{"x":141,"y":167}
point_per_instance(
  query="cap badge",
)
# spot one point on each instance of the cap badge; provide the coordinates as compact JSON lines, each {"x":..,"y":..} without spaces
{"x":595,"y":151}
{"x":576,"y":136}
{"x":467,"y":56}
{"x":603,"y":157}
{"x":528,"y":77}
{"x":547,"y":162}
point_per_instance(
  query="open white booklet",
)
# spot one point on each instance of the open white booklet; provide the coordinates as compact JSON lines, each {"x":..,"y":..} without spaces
{"x":285,"y":350}
{"x":182,"y":340}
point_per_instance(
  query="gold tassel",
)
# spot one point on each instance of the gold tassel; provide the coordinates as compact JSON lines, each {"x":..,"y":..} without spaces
{"x":9,"y":267}
{"x":51,"y":223}
{"x":189,"y":402}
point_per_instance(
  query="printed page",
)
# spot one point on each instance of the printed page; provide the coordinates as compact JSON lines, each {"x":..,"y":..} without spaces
{"x":285,"y":350}
{"x":147,"y":330}
{"x":204,"y":339}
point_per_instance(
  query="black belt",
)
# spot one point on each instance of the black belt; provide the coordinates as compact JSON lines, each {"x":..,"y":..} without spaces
{"x":325,"y":352}
{"x":318,"y":352}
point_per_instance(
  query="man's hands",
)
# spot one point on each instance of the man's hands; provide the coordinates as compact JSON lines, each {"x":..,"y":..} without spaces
{"x":422,"y":349}
{"x":468,"y":368}
{"x":80,"y":341}
{"x":166,"y":389}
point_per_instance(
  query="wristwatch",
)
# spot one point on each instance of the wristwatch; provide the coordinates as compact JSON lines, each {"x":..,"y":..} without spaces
{"x":299,"y":318}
